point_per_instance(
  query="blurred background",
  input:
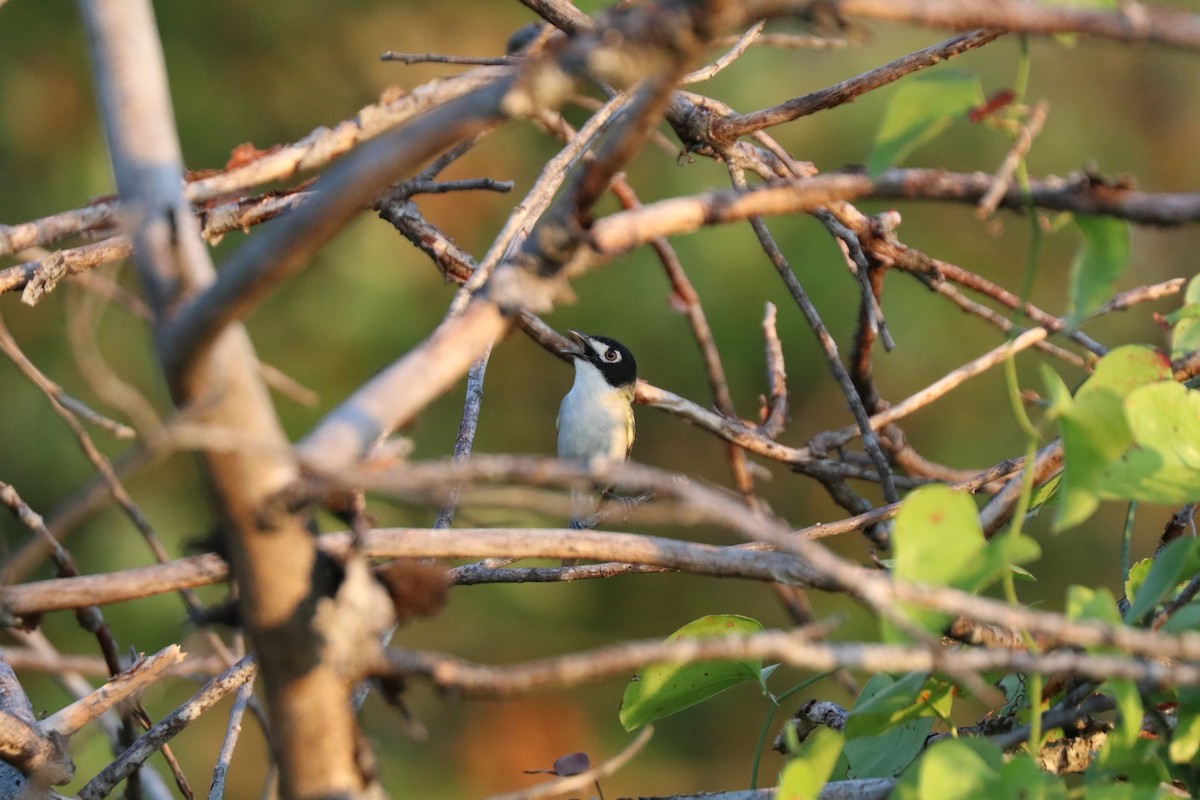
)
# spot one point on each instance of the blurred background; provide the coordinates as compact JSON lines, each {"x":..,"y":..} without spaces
{"x":271,"y":72}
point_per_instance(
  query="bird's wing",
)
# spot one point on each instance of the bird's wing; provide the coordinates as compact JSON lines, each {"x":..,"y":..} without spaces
{"x":630,"y":431}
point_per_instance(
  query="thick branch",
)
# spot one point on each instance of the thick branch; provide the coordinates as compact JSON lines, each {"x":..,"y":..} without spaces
{"x":1131,"y":22}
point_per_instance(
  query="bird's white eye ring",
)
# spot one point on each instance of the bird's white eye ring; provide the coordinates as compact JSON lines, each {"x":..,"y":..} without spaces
{"x":612,"y":356}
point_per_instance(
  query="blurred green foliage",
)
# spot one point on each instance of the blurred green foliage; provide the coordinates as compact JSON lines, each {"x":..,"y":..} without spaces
{"x":271,"y":72}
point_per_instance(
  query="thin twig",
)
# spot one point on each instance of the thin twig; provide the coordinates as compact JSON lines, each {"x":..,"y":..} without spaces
{"x":232,"y":730}
{"x":1020,"y":148}
{"x":575,"y":783}
{"x":170,"y":725}
{"x":441,"y":58}
{"x":688,"y":301}
{"x":935,"y":390}
{"x":729,"y":128}
{"x":828,"y":346}
{"x":739,"y":47}
{"x":466,"y":432}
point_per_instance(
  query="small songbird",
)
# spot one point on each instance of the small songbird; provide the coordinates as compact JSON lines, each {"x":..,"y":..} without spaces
{"x":595,"y":419}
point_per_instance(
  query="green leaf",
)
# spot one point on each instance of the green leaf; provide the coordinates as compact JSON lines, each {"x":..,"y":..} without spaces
{"x":1185,"y":333}
{"x":1044,"y":494}
{"x":953,"y":769}
{"x":804,"y":775}
{"x":938,"y":540}
{"x":1129,"y":709}
{"x":659,"y":690}
{"x":1138,"y":571}
{"x":884,"y":755}
{"x":920,"y":109}
{"x":1185,"y":739}
{"x":1021,"y":777}
{"x":1098,"y":263}
{"x":937,"y":535}
{"x":1002,"y":554}
{"x":1162,"y":462}
{"x":1183,"y":620}
{"x":1095,"y":430}
{"x":1084,"y":602}
{"x":1124,"y":791}
{"x":1178,"y":561}
{"x":914,"y":695}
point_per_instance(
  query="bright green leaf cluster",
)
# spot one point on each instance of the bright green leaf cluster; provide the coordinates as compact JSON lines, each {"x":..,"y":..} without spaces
{"x":1129,"y":433}
{"x":971,"y":768}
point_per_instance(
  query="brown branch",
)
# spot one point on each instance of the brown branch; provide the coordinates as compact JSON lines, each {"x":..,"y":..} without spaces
{"x":622,"y":231}
{"x":774,"y":415}
{"x":1080,"y":194}
{"x":163,"y":731}
{"x":561,"y":15}
{"x":1134,"y":23}
{"x":232,"y":730}
{"x":574,"y":783}
{"x":29,"y":658}
{"x":790,"y":41}
{"x":31,"y":758}
{"x":102,"y":589}
{"x":935,"y":390}
{"x":325,"y":144}
{"x":824,"y":568}
{"x":70,"y":719}
{"x":441,"y":58}
{"x":796,"y":649}
{"x":1001,"y":322}
{"x":281,"y":251}
{"x":997,"y":511}
{"x":688,"y":301}
{"x":739,"y":47}
{"x":726,"y":129}
{"x":42,"y":232}
{"x":1016,"y":154}
{"x":274,"y":557}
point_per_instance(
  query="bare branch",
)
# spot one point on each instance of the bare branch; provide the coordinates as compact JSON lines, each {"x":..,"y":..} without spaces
{"x":574,"y":783}
{"x":1131,"y":23}
{"x":236,"y":712}
{"x":40,"y":756}
{"x":279,"y":252}
{"x":725,"y":129}
{"x":796,"y":649}
{"x":439,"y":58}
{"x":163,"y":731}
{"x":67,"y":721}
{"x":58,"y":594}
{"x":1020,"y":148}
{"x":739,"y":47}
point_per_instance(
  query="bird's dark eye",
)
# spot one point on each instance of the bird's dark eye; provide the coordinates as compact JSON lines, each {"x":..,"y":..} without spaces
{"x":612,"y":356}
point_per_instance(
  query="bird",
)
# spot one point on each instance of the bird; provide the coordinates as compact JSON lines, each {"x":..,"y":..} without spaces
{"x":595,"y":420}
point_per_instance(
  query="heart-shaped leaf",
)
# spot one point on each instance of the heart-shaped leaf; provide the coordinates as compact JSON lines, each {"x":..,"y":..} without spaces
{"x":660,"y":690}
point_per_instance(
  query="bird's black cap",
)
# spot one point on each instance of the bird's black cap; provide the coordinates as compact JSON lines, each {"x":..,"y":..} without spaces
{"x":612,"y":358}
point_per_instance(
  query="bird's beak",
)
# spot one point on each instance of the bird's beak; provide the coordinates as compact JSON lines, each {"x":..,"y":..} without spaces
{"x":580,"y":346}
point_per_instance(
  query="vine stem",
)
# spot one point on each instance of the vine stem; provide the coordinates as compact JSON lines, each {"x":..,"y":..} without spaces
{"x":766,"y":726}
